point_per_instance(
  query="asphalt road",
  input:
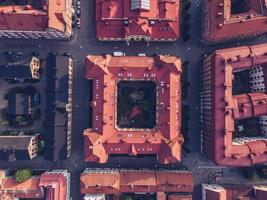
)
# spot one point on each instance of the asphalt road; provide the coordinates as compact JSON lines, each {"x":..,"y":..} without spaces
{"x":84,"y":43}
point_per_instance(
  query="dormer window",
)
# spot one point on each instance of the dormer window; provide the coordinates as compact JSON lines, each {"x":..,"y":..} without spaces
{"x":140,"y":4}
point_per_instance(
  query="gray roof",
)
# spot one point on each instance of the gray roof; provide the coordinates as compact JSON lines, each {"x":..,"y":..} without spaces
{"x":18,"y":104}
{"x":15,"y":142}
{"x":14,"y":147}
{"x":56,"y":97}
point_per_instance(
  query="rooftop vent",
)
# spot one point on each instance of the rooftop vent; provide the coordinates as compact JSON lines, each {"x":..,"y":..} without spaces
{"x":140,"y":4}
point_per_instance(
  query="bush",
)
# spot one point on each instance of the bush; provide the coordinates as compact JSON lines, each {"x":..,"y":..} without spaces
{"x":186,"y":37}
{"x":127,"y":198}
{"x":185,"y":83}
{"x":4,"y":114}
{"x":249,"y":173}
{"x":21,"y":121}
{"x":5,"y":133}
{"x":187,"y":17}
{"x":187,"y":27}
{"x":29,"y":132}
{"x":4,"y":123}
{"x":23,"y":175}
{"x":187,"y":5}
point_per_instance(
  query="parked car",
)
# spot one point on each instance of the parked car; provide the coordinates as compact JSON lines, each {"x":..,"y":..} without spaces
{"x":53,"y":53}
{"x":18,"y":53}
{"x":68,"y":54}
{"x":73,"y":18}
{"x":36,"y":99}
{"x":78,"y":12}
{"x":35,"y":53}
{"x":78,"y":5}
{"x":118,"y":53}
{"x":78,"y":22}
{"x":72,"y":9}
{"x":141,"y":54}
{"x":7,"y":52}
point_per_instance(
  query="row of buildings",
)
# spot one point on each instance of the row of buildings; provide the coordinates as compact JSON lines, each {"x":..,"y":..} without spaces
{"x":117,"y":184}
{"x":226,"y":105}
{"x":233,"y":107}
{"x":126,"y":20}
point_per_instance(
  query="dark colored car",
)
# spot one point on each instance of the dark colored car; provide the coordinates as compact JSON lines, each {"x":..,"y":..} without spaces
{"x":36,"y":99}
{"x":35,"y":53}
{"x":68,"y":54}
{"x":53,"y":53}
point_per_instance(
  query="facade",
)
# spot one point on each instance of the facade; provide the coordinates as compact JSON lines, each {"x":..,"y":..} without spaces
{"x":233,"y":101}
{"x":115,"y":184}
{"x":229,"y":19}
{"x":119,"y":127}
{"x":21,"y":147}
{"x":137,"y":20}
{"x":36,"y":19}
{"x":58,"y":107}
{"x":53,"y":185}
{"x":233,"y":192}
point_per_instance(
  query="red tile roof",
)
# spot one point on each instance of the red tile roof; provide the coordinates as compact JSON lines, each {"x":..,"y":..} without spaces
{"x":129,"y":181}
{"x":28,"y":18}
{"x":26,"y":189}
{"x":219,"y":24}
{"x":19,"y":18}
{"x":56,"y":185}
{"x":166,"y":181}
{"x":233,"y":192}
{"x":137,"y":182}
{"x":93,"y":183}
{"x":104,"y":138}
{"x":32,"y":188}
{"x":116,"y":20}
{"x":226,"y":107}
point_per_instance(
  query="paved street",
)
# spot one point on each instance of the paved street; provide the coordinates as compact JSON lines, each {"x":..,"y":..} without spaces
{"x":84,"y":43}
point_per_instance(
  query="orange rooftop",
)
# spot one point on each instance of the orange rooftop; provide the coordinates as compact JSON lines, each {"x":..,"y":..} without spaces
{"x":136,"y":107}
{"x":117,"y":184}
{"x":137,"y":20}
{"x":225,"y":20}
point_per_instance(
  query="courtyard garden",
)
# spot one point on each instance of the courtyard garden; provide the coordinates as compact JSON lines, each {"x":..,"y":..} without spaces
{"x":136,"y":104}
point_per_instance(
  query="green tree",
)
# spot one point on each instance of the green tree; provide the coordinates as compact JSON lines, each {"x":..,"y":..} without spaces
{"x":127,"y":198}
{"x":249,"y":173}
{"x":23,"y":175}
